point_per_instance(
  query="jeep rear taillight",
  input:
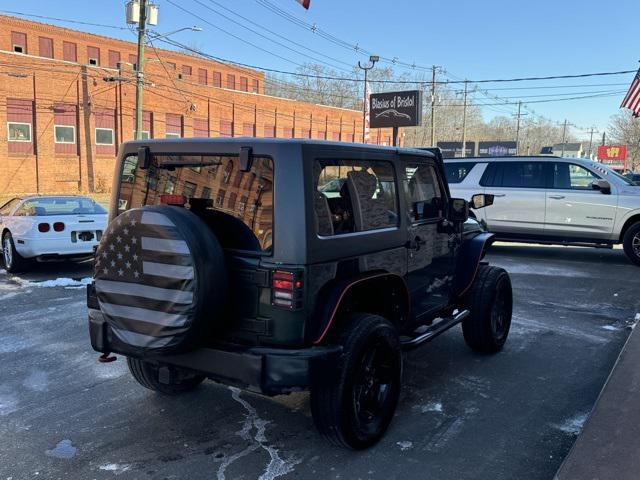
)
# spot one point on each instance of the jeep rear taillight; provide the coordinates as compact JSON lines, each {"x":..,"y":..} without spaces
{"x":286,"y":288}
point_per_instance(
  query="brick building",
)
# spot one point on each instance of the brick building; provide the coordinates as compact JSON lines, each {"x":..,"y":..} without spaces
{"x":67,"y":99}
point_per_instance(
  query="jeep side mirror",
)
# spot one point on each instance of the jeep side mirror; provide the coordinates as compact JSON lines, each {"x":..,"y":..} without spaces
{"x":603,"y":185}
{"x":144,"y":158}
{"x":481,"y":200}
{"x":458,"y":210}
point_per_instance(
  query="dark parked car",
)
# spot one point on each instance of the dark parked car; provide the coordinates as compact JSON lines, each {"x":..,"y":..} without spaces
{"x":224,"y":259}
{"x":634,"y":177}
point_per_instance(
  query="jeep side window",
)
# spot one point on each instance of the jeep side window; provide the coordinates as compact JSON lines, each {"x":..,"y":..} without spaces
{"x":572,"y":176}
{"x":354,"y":196}
{"x":425,"y":196}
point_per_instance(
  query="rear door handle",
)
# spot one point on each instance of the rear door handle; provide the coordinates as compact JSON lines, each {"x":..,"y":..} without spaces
{"x":499,"y":194}
{"x":556,"y":197}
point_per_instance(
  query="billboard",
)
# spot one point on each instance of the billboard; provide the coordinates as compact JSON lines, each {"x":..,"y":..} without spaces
{"x":395,"y":109}
{"x":612,"y":152}
{"x":454,"y":149}
{"x":496,"y":149}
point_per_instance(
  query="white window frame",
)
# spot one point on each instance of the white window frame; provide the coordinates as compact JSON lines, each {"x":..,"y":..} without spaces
{"x":21,"y":47}
{"x":112,"y":136}
{"x":143,"y":132}
{"x":55,"y":139}
{"x":172,"y":135}
{"x":17,"y":140}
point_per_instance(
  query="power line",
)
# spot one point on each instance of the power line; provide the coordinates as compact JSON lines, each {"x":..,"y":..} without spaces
{"x":42,"y":17}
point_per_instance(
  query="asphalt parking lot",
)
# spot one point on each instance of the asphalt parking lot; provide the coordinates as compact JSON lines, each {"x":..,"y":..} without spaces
{"x":461,"y":415}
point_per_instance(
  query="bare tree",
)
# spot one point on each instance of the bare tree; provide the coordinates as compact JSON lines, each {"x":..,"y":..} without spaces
{"x":625,"y":129}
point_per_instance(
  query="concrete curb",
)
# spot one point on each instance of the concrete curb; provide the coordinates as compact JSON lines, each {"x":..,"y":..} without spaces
{"x":609,"y":445}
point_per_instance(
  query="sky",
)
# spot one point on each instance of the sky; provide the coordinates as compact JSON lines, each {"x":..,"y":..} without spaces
{"x":467,"y":38}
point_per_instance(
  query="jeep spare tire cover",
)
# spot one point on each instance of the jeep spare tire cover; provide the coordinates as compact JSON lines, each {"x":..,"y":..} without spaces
{"x":160,"y":279}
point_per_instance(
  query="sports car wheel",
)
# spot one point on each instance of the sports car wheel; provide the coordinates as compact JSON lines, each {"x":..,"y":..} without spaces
{"x":13,"y":261}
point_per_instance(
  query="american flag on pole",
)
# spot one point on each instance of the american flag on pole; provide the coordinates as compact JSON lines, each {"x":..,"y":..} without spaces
{"x":632,"y":100}
{"x":304,"y":3}
{"x":367,"y":112}
{"x":144,"y":278}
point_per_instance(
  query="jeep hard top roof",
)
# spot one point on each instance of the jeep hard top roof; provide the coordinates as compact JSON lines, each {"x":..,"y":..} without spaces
{"x":222,"y":145}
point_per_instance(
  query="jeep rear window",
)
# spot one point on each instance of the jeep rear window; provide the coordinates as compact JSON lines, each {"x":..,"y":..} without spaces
{"x":354,"y":196}
{"x":457,"y":172}
{"x":210,"y":185}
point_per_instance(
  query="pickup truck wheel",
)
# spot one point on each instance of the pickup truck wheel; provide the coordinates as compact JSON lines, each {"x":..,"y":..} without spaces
{"x":13,"y":261}
{"x":631,"y":243}
{"x":147,"y":375}
{"x":491,"y":304}
{"x":355,"y":410}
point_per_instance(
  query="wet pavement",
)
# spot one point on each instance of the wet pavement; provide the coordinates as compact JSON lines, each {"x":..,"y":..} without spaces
{"x":461,"y":415}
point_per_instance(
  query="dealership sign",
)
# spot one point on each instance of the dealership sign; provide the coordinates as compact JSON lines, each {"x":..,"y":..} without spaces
{"x":612,"y":152}
{"x":496,"y":149}
{"x":396,"y":109}
{"x":454,"y":149}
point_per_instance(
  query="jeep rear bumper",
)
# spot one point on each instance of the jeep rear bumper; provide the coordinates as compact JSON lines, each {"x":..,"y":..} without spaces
{"x":270,"y":371}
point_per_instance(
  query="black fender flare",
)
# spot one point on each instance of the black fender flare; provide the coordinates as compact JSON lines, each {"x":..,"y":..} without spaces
{"x":469,"y":257}
{"x":336,"y":293}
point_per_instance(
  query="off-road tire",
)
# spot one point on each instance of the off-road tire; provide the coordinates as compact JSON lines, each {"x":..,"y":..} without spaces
{"x":491,"y":303}
{"x":338,"y":408}
{"x":146,"y":374}
{"x":631,"y":243}
{"x":18,"y":262}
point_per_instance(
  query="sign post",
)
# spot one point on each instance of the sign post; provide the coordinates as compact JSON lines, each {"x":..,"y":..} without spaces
{"x":396,"y":109}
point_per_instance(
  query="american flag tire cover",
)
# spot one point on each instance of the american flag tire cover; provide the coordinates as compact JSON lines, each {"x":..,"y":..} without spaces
{"x":145,"y":279}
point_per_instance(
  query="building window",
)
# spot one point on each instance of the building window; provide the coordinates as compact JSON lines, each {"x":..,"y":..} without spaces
{"x":170,"y":185}
{"x":171,"y":65}
{"x":172,"y":135}
{"x":244,"y":84}
{"x":104,"y":136}
{"x":231,"y":81}
{"x":173,"y":126}
{"x":93,"y":54}
{"x":217,"y":79}
{"x":186,"y":69}
{"x":248,"y":129}
{"x":69,"y":52}
{"x":145,"y":135}
{"x":19,"y":42}
{"x":133,"y":60}
{"x":206,"y":192}
{"x":189,"y":189}
{"x":64,"y":133}
{"x":19,"y":132}
{"x":45,"y":47}
{"x":226,"y":128}
{"x":269,"y":131}
{"x":255,"y":84}
{"x":242,"y":205}
{"x":114,"y":59}
{"x":220,"y":198}
{"x":202,"y":76}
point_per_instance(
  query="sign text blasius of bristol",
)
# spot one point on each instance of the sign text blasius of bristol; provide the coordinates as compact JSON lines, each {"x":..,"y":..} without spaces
{"x":396,"y":109}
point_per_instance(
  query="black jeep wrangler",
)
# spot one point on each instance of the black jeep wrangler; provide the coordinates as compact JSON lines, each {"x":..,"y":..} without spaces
{"x":280,"y":265}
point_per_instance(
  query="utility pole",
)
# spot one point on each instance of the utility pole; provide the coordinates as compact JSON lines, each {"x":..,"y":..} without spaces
{"x":604,"y":138}
{"x":433,"y":106}
{"x":518,"y":115}
{"x":140,"y":67}
{"x":464,"y":120}
{"x":593,"y":130}
{"x":564,"y":136}
{"x":372,"y":60}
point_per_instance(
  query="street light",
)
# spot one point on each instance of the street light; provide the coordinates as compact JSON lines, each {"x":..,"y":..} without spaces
{"x":157,"y":36}
{"x":372,"y":61}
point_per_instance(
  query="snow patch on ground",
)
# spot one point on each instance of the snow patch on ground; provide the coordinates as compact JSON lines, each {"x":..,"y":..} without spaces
{"x":637,"y":317}
{"x":610,"y":328}
{"x":109,"y":370}
{"x":58,"y":282}
{"x":276,"y":467}
{"x":406,"y":445}
{"x":552,"y":271}
{"x":116,"y":468}
{"x":573,"y":425}
{"x":431,"y":407}
{"x":64,"y":449}
{"x":13,"y":343}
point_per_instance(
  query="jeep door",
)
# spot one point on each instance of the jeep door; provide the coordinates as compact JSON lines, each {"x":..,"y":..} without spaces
{"x":520,"y":197}
{"x":430,"y":258}
{"x":574,"y":208}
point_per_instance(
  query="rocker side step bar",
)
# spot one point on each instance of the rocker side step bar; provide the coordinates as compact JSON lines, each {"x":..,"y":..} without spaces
{"x":434,"y":330}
